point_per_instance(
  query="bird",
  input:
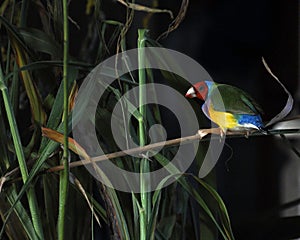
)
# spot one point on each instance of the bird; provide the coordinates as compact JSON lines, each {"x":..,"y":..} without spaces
{"x":229,"y":107}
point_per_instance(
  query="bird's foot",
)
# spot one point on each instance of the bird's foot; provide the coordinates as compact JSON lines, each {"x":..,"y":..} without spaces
{"x":203,"y":132}
{"x":217,"y":131}
{"x":247,"y":134}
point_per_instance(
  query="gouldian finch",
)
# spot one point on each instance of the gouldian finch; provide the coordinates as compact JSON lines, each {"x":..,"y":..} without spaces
{"x":229,"y":107}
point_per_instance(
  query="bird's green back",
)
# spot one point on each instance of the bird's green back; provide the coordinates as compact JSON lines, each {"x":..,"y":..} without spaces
{"x":235,"y":100}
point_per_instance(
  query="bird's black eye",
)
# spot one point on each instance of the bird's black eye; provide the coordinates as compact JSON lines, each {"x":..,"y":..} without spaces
{"x":201,"y":89}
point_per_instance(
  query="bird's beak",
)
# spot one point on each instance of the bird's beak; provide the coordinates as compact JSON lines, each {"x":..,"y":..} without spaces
{"x":190,"y":93}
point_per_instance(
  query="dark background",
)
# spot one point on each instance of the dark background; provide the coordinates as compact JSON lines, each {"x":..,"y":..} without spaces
{"x":228,"y":38}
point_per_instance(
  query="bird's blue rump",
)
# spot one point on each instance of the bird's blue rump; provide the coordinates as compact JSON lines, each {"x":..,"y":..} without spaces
{"x":247,"y":119}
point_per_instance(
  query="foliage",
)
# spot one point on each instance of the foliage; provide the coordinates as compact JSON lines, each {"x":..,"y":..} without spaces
{"x":37,"y":81}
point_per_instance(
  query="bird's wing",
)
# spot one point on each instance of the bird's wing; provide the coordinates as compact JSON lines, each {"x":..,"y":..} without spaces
{"x":234,"y":100}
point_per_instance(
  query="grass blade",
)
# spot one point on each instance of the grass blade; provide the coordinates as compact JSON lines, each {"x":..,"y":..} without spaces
{"x":222,"y":207}
{"x":48,"y":150}
{"x":41,"y":42}
{"x":174,"y":171}
{"x":23,"y":216}
{"x":21,"y":158}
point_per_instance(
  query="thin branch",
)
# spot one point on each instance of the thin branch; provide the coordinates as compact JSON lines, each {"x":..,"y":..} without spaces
{"x":172,"y":142}
{"x":177,"y":21}
{"x":138,"y":7}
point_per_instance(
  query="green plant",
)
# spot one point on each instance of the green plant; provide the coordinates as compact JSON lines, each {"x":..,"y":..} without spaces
{"x":37,"y":203}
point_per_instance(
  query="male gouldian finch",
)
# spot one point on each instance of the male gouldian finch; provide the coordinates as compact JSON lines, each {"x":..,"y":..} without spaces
{"x":228,"y":106}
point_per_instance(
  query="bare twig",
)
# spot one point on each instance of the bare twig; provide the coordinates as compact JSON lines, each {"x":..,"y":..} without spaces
{"x":172,"y":142}
{"x":138,"y":7}
{"x":136,"y":150}
{"x":176,"y":22}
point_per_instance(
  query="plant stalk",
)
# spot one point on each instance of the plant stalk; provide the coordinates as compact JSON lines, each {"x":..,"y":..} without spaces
{"x":64,"y":175}
{"x":145,"y":210}
{"x":32,"y":201}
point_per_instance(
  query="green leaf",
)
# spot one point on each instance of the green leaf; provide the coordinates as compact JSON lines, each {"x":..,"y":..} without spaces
{"x":23,"y":216}
{"x":57,"y":108}
{"x":166,"y":226}
{"x":50,"y":195}
{"x":41,"y":42}
{"x":156,"y":198}
{"x":4,"y":163}
{"x":113,"y":198}
{"x":136,"y":215}
{"x":182,"y":181}
{"x":44,"y":155}
{"x":222,"y":208}
{"x":12,"y":30}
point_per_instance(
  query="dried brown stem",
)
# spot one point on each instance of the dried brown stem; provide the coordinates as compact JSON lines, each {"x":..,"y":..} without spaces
{"x":172,"y":142}
{"x":131,"y":151}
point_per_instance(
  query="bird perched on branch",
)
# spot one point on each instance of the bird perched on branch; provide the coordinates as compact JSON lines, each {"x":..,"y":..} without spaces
{"x":229,"y":107}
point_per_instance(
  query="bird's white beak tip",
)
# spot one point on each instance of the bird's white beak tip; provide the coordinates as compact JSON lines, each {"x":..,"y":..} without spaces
{"x":190,"y":93}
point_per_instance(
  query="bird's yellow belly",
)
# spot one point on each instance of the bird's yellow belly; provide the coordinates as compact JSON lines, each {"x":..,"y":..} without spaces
{"x":223,"y":119}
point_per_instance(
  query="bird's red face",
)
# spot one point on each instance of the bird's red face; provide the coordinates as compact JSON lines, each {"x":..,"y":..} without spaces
{"x":198,"y":90}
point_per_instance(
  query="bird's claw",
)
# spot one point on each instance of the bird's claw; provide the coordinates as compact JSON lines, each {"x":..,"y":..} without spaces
{"x":218,"y":131}
{"x":247,"y":134}
{"x":202,"y":132}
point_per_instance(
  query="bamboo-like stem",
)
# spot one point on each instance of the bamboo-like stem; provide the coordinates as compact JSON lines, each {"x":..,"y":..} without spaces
{"x":64,"y":175}
{"x":144,"y":164}
{"x":36,"y":220}
{"x":169,"y":143}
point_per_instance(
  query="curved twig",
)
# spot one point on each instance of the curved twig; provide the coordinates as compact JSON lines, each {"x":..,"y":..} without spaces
{"x":172,"y":142}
